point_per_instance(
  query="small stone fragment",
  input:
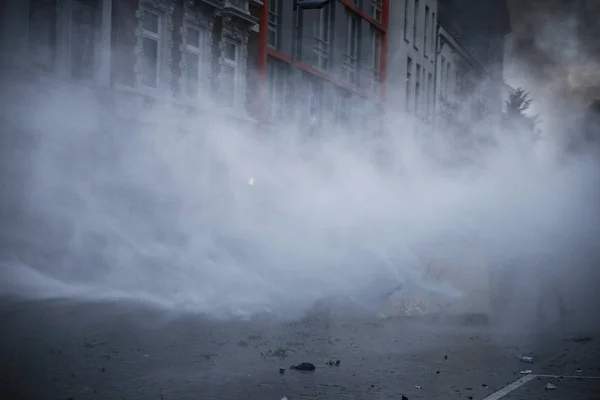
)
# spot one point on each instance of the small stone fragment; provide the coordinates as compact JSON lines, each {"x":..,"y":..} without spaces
{"x":305,"y":366}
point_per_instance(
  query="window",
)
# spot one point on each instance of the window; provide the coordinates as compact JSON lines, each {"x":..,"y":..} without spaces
{"x":82,"y":50}
{"x":408,"y":82}
{"x":418,"y":90}
{"x":415,"y":22}
{"x":376,"y":57}
{"x":151,"y":48}
{"x":229,"y":72}
{"x":459,"y":85}
{"x":447,"y":80}
{"x":406,"y":20}
{"x":194,"y":59}
{"x":277,"y":88}
{"x":43,"y":33}
{"x":443,"y":75}
{"x":376,"y":9}
{"x":433,"y":35}
{"x":426,"y":32}
{"x":430,"y":96}
{"x":274,"y":18}
{"x":315,"y":100}
{"x":322,"y":42}
{"x":351,"y":54}
{"x":342,"y":105}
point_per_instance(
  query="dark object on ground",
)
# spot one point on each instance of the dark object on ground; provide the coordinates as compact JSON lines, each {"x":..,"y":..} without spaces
{"x":445,"y":357}
{"x":335,"y":363}
{"x":404,"y":397}
{"x":305,"y":366}
{"x":282,"y":370}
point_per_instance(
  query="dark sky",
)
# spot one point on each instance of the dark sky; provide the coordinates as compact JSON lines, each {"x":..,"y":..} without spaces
{"x":555,"y":48}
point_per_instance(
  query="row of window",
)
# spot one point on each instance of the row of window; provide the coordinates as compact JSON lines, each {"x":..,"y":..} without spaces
{"x":421,"y":103}
{"x":427,"y":40}
{"x":352,"y":62}
{"x":64,"y":37}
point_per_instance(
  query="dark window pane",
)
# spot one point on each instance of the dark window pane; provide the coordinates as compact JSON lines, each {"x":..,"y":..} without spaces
{"x":42,"y":32}
{"x":82,"y":39}
{"x":150,"y":67}
{"x":272,"y":38}
{"x":193,"y":74}
{"x":230,"y":51}
{"x":151,"y":21}
{"x":228,"y":82}
{"x":193,"y":37}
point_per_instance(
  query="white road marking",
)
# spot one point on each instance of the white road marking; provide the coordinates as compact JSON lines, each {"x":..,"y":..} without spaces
{"x":569,"y":376}
{"x":509,"y":388}
{"x":520,"y":382}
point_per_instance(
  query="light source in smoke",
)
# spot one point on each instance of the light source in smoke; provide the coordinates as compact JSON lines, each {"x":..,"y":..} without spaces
{"x":251,"y":181}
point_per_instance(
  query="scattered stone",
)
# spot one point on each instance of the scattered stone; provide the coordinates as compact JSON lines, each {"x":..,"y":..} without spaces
{"x":484,"y":385}
{"x":437,"y":372}
{"x":579,"y":370}
{"x":418,"y":387}
{"x":445,"y":357}
{"x":526,"y":372}
{"x":526,"y":359}
{"x":282,"y":370}
{"x":404,"y":397}
{"x":550,"y":386}
{"x":333,"y":363}
{"x":284,"y":398}
{"x":305,"y":366}
{"x":102,"y":369}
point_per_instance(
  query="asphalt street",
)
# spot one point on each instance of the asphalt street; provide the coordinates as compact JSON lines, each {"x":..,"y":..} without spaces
{"x":61,"y":350}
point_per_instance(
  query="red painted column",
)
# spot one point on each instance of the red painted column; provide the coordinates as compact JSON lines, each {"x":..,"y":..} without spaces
{"x":263,"y":43}
{"x":385,"y":22}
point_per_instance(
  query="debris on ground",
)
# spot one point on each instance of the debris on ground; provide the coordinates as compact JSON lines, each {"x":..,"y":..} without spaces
{"x":284,"y":398}
{"x":550,"y":386}
{"x":445,"y":357}
{"x":404,"y":397}
{"x":305,"y":366}
{"x":526,"y":372}
{"x":282,"y":370}
{"x":527,"y":359}
{"x":333,"y":363}
{"x":584,"y":339}
{"x":418,"y":387}
{"x":579,"y":370}
{"x":279,"y":352}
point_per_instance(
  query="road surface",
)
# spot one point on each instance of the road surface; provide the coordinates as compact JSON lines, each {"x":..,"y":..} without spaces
{"x":61,"y":350}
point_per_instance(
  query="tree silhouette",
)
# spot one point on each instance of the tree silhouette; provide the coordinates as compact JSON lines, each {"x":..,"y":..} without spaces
{"x":515,"y":117}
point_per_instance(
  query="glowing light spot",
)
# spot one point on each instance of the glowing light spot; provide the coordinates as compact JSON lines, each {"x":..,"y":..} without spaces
{"x":251,"y":181}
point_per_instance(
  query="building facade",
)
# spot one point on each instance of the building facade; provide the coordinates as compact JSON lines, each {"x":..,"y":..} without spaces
{"x":436,"y":62}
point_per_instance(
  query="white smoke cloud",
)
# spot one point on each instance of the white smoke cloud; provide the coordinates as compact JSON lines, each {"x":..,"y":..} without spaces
{"x":167,"y":217}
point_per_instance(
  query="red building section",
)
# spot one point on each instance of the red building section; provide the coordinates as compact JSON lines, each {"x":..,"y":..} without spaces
{"x":265,"y":51}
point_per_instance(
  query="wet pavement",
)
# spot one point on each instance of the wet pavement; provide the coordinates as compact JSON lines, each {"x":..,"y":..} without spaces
{"x":56,"y":350}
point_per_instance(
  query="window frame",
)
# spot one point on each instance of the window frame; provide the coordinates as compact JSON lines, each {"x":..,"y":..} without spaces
{"x":352,"y":53}
{"x":201,"y":53}
{"x":274,"y":23}
{"x":158,"y":38}
{"x":322,"y":39}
